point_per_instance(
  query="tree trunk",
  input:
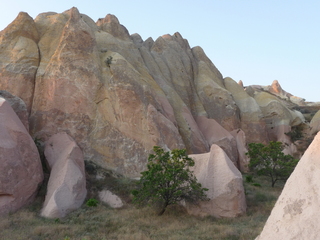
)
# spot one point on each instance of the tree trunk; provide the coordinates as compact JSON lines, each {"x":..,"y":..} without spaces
{"x":163,"y":209}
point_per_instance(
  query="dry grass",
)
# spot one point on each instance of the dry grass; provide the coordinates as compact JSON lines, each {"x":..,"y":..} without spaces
{"x":129,"y":223}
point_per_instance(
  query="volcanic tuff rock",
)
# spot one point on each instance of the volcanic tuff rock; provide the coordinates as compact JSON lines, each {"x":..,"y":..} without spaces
{"x":216,"y":172}
{"x":20,"y":165}
{"x":296,"y":213}
{"x":66,"y":189}
{"x":18,"y":106}
{"x":110,"y":198}
{"x":117,"y":96}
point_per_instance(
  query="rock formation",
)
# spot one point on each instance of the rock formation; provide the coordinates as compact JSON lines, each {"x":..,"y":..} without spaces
{"x":20,"y":165}
{"x":315,"y":123}
{"x":252,"y":122}
{"x":66,"y":189}
{"x":117,"y":95}
{"x":111,"y":199}
{"x":18,"y":106}
{"x":295,"y":214}
{"x":216,"y":172}
{"x":243,"y":162}
{"x":19,"y":58}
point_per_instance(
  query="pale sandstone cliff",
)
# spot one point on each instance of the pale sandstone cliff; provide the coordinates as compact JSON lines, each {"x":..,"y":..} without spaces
{"x":117,"y":96}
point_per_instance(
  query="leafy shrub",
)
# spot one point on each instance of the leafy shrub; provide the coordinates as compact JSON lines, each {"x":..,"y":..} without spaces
{"x":108,"y":61}
{"x":168,"y":180}
{"x":249,"y":178}
{"x":92,"y":202}
{"x":269,"y":160}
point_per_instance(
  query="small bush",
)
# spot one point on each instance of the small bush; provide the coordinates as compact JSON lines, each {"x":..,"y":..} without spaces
{"x":108,"y":61}
{"x":249,"y":178}
{"x":92,"y":202}
{"x":256,"y":184}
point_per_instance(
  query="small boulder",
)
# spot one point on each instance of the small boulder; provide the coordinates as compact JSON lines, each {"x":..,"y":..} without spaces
{"x":111,"y":199}
{"x":296,"y":213}
{"x":20,"y":165}
{"x":216,"y":172}
{"x":67,"y":183}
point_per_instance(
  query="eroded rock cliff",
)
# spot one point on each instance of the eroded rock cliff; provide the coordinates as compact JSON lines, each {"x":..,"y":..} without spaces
{"x":117,"y":96}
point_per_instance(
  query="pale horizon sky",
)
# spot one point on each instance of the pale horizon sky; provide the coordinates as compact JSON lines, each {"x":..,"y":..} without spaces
{"x":256,"y":41}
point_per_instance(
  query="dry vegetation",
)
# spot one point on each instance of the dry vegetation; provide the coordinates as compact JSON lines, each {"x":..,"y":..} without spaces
{"x":102,"y":222}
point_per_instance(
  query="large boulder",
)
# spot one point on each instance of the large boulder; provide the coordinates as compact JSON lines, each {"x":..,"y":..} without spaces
{"x":216,"y":172}
{"x":18,"y":106}
{"x":296,"y":213}
{"x":66,"y":189}
{"x":20,"y":165}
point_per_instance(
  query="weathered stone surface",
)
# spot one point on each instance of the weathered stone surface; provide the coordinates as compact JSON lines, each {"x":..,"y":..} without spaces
{"x":214,"y":133}
{"x":315,"y":123}
{"x":20,"y":165}
{"x":116,"y":95}
{"x":216,"y":99}
{"x":18,"y":106}
{"x":19,"y":57}
{"x":111,"y":199}
{"x":279,"y":119}
{"x":111,"y":24}
{"x":243,"y":162}
{"x":66,"y":189}
{"x":296,"y":213}
{"x":252,"y":122}
{"x":215,"y":171}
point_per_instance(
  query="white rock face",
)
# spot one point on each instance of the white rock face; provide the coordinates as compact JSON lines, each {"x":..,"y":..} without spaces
{"x":20,"y":166}
{"x":215,"y":171}
{"x":296,"y":213}
{"x":111,"y":199}
{"x":67,"y":183}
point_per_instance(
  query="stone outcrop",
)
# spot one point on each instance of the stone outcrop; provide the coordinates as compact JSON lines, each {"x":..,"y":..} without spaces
{"x":252,"y":122}
{"x":117,"y":95}
{"x":243,"y":161}
{"x":216,"y":172}
{"x":279,"y":119}
{"x":110,"y":198}
{"x":66,"y":188}
{"x":19,"y":58}
{"x":315,"y":123}
{"x":20,"y":165}
{"x":214,"y":133}
{"x":295,"y":214}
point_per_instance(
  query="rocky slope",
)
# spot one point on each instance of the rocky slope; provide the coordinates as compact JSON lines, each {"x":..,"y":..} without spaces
{"x":117,"y":96}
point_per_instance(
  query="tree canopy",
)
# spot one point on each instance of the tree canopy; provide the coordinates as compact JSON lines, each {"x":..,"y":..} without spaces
{"x":269,"y":160}
{"x":168,"y":180}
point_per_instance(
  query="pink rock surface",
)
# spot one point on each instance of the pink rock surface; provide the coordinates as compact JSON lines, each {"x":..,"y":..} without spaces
{"x":296,"y":213}
{"x":244,"y":160}
{"x":215,"y":171}
{"x":214,"y":133}
{"x":20,"y":165}
{"x":67,"y":183}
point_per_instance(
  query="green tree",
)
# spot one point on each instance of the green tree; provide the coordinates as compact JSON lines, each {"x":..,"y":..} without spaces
{"x":269,"y":160}
{"x":168,"y":180}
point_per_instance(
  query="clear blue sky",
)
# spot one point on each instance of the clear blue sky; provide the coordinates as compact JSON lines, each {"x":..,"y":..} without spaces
{"x":256,"y":41}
